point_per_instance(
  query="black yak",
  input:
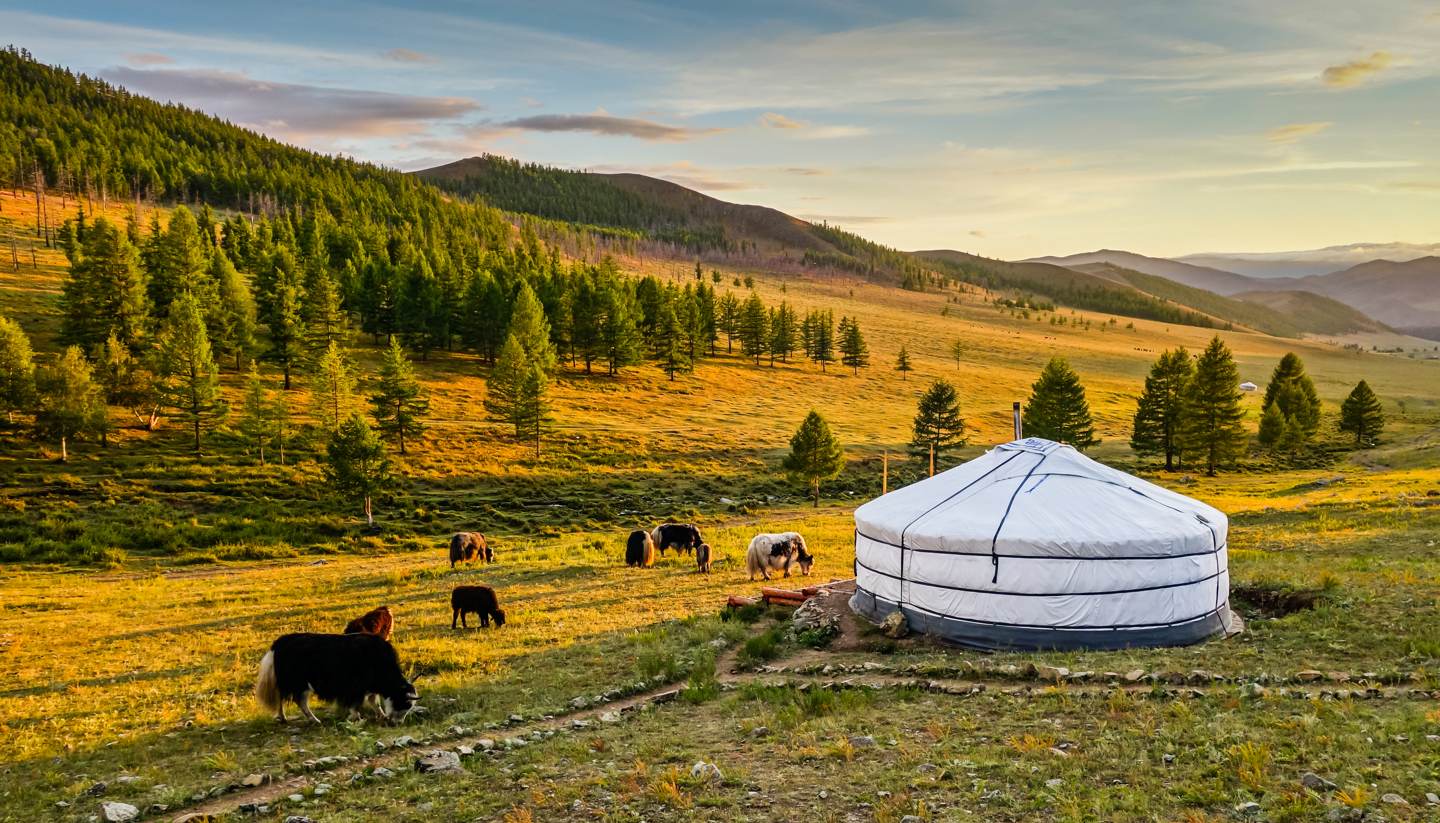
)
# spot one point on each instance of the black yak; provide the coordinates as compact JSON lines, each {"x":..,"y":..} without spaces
{"x":344,"y":669}
{"x":640,"y":549}
{"x":479,"y":600}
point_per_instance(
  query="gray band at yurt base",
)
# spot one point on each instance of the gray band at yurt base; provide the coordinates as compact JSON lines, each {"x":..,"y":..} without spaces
{"x":1033,"y":545}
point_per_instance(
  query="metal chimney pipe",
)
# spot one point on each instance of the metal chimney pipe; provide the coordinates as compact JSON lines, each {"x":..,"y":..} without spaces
{"x":1015,"y":408}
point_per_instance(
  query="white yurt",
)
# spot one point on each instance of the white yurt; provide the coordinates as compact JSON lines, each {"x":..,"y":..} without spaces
{"x":1035,"y":546}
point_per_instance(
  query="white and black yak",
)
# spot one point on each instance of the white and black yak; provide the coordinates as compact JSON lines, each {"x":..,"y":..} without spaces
{"x":640,"y":549}
{"x":682,"y":537}
{"x":467,"y":546}
{"x":344,"y":669}
{"x":479,"y":600}
{"x":777,"y":552}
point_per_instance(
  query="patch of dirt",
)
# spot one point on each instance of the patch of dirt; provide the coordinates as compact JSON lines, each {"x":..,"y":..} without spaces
{"x":1264,"y":600}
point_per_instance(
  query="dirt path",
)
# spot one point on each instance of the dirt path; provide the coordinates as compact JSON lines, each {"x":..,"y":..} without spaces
{"x":295,"y":784}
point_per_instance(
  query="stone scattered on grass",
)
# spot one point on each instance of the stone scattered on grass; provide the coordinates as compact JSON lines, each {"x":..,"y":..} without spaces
{"x":1315,"y":782}
{"x":112,"y":812}
{"x":98,"y":788}
{"x":382,"y":773}
{"x":295,"y":798}
{"x":485,"y":744}
{"x":1393,"y":799}
{"x":297,"y":818}
{"x":706,"y":771}
{"x":895,"y":626}
{"x":1054,"y":783}
{"x":251,"y":781}
{"x":1432,"y":798}
{"x":437,"y":761}
{"x":610,"y":717}
{"x":403,"y":741}
{"x":862,"y":741}
{"x":1248,"y":807}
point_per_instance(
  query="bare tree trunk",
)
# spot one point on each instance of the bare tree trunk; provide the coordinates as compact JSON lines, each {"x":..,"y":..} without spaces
{"x":369,"y":516}
{"x":64,"y":450}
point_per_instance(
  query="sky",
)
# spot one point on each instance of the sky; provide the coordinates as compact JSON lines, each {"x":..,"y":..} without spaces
{"x":1009,"y":128}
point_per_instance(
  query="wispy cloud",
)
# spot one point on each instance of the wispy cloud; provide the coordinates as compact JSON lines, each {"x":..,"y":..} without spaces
{"x":292,"y":110}
{"x":1356,"y":72}
{"x":775,"y":120}
{"x":407,"y":56}
{"x":808,"y":131}
{"x":148,"y":58}
{"x":608,"y":125}
{"x":1294,"y":132}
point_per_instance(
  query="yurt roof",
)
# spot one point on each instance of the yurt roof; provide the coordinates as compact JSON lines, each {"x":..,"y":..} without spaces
{"x":1038,"y":498}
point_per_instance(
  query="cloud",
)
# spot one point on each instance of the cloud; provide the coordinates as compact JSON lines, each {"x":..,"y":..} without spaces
{"x":774,"y":120}
{"x":977,"y":233}
{"x":407,"y":56}
{"x":805,"y":130}
{"x":805,"y":171}
{"x":148,"y":58}
{"x":1356,"y":72}
{"x":292,"y":110}
{"x":607,"y":125}
{"x":1295,"y":132}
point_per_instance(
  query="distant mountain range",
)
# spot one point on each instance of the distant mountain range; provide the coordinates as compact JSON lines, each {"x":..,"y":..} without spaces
{"x":645,"y":215}
{"x":1313,"y":261}
{"x":1404,"y":295}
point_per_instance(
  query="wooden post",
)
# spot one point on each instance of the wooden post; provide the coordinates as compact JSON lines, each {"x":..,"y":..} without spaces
{"x":932,"y":459}
{"x":885,"y":473}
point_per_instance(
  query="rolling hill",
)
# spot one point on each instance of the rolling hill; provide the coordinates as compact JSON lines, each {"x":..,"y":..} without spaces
{"x":1406,"y":295}
{"x":1200,"y":277}
{"x":1310,"y":262}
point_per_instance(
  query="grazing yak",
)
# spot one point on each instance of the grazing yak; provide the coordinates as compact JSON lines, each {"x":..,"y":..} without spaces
{"x":376,"y":621}
{"x":777,"y":552}
{"x":467,"y":546}
{"x":682,"y":537}
{"x":345,"y":669}
{"x":640,"y":549}
{"x":702,"y":558}
{"x":478,"y":600}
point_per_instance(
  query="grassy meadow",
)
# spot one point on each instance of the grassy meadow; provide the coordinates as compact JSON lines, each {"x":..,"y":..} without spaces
{"x":138,"y":659}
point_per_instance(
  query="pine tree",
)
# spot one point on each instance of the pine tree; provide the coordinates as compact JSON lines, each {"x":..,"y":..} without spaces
{"x":105,"y":291}
{"x":938,"y":423}
{"x":68,"y":403}
{"x":232,"y":323}
{"x":754,"y":328}
{"x":187,"y":381}
{"x":127,"y":382}
{"x":1159,"y":409}
{"x":332,"y":392}
{"x":821,"y":348}
{"x":177,"y":261}
{"x":957,"y":351}
{"x":728,"y":320}
{"x":279,"y":305}
{"x":257,"y":419}
{"x":17,"y":369}
{"x":502,"y":389}
{"x":400,"y":403}
{"x":1274,"y":427}
{"x":356,"y":462}
{"x":1291,"y":388}
{"x":783,"y":333}
{"x":532,"y":407}
{"x":815,"y":455}
{"x":322,"y":315}
{"x":853,"y":350}
{"x":1362,"y":414}
{"x":532,"y":331}
{"x":902,"y":363}
{"x":1212,"y":416}
{"x":669,"y":347}
{"x":1057,"y":409}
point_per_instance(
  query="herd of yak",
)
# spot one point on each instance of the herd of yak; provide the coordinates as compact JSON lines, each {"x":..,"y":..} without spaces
{"x":360,"y":666}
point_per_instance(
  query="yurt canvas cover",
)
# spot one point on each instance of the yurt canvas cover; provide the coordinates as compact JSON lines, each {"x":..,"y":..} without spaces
{"x":1035,"y":546}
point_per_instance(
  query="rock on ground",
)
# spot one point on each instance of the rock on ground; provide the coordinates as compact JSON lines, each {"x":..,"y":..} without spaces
{"x":895,"y":626}
{"x":112,"y":812}
{"x":437,"y":761}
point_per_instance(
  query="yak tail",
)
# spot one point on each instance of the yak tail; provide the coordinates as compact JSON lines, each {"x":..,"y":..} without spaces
{"x":655,"y":536}
{"x":267,"y":690}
